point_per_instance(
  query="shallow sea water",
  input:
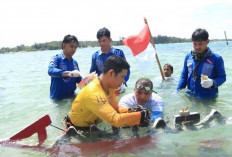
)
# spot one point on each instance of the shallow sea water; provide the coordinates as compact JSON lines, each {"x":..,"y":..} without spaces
{"x":24,"y":98}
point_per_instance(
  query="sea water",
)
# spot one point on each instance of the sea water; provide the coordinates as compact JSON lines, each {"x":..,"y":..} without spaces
{"x":24,"y":98}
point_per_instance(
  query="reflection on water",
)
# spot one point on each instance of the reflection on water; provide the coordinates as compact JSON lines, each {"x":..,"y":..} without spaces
{"x":105,"y":148}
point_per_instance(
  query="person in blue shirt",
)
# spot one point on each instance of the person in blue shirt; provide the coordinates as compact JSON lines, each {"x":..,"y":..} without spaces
{"x":64,"y":70}
{"x":203,"y":70}
{"x":99,"y":57}
{"x":145,"y":97}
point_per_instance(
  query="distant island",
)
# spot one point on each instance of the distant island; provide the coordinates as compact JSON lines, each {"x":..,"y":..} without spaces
{"x":56,"y":45}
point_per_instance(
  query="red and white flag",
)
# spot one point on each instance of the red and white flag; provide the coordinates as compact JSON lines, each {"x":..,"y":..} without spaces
{"x":142,"y":49}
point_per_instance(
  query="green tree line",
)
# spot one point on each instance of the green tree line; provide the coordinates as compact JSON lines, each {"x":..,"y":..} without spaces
{"x":56,"y":45}
{"x":165,"y":40}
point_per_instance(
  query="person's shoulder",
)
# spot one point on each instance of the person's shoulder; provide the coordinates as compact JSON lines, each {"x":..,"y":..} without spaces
{"x":156,"y":97}
{"x":216,"y":55}
{"x":95,"y":53}
{"x":75,"y":61}
{"x":57,"y":57}
{"x":117,"y":50}
{"x":127,"y":100}
{"x":92,"y":89}
{"x":189,"y":54}
{"x":169,"y":78}
{"x":127,"y":97}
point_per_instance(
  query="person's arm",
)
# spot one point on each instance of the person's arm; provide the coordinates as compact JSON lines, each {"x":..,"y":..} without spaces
{"x":184,"y":76}
{"x":115,"y":104}
{"x":157,"y":107}
{"x":53,"y":69}
{"x":93,"y":67}
{"x":127,"y":76}
{"x":121,"y":54}
{"x":155,"y":115}
{"x":100,"y":106}
{"x":122,"y":109}
{"x":78,"y":79}
{"x":220,"y":73}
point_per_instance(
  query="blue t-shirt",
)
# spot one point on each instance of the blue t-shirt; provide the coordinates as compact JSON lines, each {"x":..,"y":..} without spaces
{"x":62,"y":87}
{"x":99,"y":58}
{"x":212,"y":66}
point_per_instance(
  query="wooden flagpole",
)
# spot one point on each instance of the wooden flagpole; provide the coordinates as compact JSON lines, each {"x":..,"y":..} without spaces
{"x":226,"y":38}
{"x":156,"y":56}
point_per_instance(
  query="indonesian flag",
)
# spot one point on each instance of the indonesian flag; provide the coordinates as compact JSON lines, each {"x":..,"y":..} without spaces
{"x":141,"y":48}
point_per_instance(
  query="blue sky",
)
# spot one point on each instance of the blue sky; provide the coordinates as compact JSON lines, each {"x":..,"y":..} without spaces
{"x":37,"y":21}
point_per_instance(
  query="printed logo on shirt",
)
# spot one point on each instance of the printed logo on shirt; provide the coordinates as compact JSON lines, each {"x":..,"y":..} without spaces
{"x":75,"y":66}
{"x":101,"y":100}
{"x":209,"y":61}
{"x":189,"y":65}
{"x":51,"y":62}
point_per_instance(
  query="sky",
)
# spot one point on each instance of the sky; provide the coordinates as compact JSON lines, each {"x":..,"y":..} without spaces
{"x":38,"y":21}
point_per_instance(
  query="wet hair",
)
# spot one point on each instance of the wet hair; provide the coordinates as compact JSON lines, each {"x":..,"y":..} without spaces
{"x":144,"y":82}
{"x":69,"y":39}
{"x":116,"y":63}
{"x":103,"y":32}
{"x":169,"y":65}
{"x":200,"y":35}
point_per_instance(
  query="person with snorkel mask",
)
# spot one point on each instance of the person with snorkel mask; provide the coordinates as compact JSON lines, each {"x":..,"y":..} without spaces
{"x":145,"y":97}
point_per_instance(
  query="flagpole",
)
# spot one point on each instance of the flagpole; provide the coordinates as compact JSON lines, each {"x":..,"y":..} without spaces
{"x":153,"y":44}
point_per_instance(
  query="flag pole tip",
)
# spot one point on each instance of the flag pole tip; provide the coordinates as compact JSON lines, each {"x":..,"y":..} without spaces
{"x":145,"y":20}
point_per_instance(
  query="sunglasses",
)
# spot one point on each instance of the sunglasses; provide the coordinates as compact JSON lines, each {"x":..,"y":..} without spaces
{"x":140,"y":87}
{"x":147,"y":89}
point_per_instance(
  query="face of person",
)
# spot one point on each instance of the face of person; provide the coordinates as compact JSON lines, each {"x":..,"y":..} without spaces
{"x":104,"y":42}
{"x":69,"y":49}
{"x":200,"y":46}
{"x":118,"y":79}
{"x":167,"y":71}
{"x":142,"y":96}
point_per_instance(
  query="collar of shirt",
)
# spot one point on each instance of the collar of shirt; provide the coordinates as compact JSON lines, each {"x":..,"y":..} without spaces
{"x":64,"y":57}
{"x":111,"y":51}
{"x":208,"y":51}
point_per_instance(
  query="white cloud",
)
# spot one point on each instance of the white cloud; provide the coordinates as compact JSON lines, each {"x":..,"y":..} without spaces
{"x":27,"y":22}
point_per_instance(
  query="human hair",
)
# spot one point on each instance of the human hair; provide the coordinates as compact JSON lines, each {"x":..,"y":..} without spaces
{"x":116,"y":63}
{"x":103,"y":32}
{"x":200,"y":35}
{"x":68,"y":39}
{"x":144,"y":82}
{"x":169,"y":65}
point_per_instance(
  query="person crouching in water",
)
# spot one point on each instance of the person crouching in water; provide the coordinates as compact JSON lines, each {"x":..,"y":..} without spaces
{"x":97,"y":101}
{"x":144,"y":97}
